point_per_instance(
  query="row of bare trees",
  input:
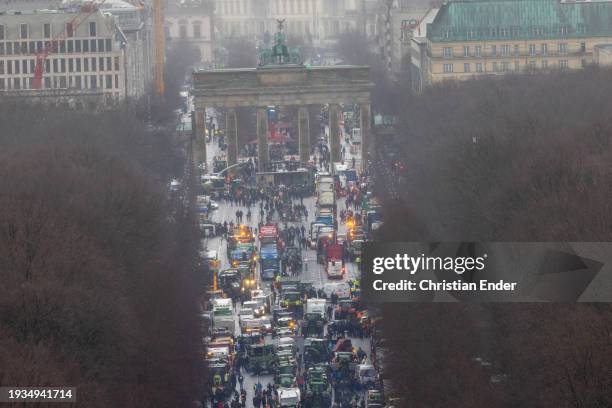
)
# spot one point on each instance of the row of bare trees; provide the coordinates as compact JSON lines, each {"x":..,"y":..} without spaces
{"x":98,"y":285}
{"x":523,"y":158}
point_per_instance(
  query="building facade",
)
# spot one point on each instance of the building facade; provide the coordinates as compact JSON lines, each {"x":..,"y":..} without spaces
{"x":191,"y":21}
{"x":495,"y":37}
{"x":317,"y":21}
{"x":93,"y":58}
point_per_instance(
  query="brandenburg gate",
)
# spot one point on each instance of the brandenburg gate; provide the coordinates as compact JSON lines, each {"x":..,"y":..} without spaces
{"x":281,"y":80}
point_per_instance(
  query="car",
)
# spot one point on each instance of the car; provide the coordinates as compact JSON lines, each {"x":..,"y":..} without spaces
{"x":266,"y":325}
{"x":175,"y":185}
{"x":283,"y":332}
{"x":245,"y":314}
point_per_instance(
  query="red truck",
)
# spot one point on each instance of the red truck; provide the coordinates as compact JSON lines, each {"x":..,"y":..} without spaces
{"x":334,"y":265}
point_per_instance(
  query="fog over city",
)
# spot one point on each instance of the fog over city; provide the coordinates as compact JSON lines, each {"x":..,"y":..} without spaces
{"x":304,"y":203}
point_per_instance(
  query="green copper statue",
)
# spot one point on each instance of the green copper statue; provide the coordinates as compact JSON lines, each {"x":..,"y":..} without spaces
{"x":279,"y":53}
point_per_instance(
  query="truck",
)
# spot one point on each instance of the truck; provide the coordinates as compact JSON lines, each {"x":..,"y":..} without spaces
{"x":289,"y":397}
{"x":314,"y":318}
{"x":268,"y":234}
{"x":269,"y":261}
{"x":222,"y":314}
{"x":373,"y":221}
{"x":334,"y":261}
{"x":327,"y":199}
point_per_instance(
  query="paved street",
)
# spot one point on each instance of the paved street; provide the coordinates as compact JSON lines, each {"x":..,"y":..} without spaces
{"x":312,"y":272}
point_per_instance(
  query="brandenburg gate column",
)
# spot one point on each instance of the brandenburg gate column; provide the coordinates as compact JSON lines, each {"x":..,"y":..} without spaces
{"x":366,"y":133}
{"x":262,"y":139}
{"x":199,"y":136}
{"x":334,"y":132}
{"x":231,"y":130}
{"x":304,"y":134}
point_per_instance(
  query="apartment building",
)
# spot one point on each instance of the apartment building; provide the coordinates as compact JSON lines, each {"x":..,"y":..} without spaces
{"x":192,"y":21}
{"x":495,"y":37}
{"x":94,"y":58}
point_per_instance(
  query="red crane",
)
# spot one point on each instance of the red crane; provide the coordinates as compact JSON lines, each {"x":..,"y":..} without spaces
{"x":51,"y":46}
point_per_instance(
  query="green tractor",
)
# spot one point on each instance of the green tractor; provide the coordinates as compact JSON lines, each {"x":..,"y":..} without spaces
{"x":318,"y":388}
{"x":221,"y":375}
{"x":316,"y":351}
{"x":260,"y":358}
{"x":313,"y":325}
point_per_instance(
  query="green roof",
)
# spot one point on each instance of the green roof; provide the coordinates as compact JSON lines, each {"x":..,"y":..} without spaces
{"x":466,"y":20}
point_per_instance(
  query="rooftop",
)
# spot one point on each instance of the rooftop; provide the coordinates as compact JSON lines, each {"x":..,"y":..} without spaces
{"x":465,"y":20}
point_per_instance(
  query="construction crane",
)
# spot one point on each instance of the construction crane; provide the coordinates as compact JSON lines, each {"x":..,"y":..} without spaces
{"x":158,"y":32}
{"x":51,"y":46}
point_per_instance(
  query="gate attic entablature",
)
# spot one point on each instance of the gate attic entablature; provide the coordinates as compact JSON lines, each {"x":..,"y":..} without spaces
{"x":281,"y":85}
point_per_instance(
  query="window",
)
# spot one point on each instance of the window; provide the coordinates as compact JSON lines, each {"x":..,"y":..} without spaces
{"x":93,"y":65}
{"x":32,"y":47}
{"x":1,"y":67}
{"x":23,"y":31}
{"x":466,"y":67}
{"x":32,"y":63}
{"x":109,"y":81}
{"x":92,"y":29}
{"x":93,"y":83}
{"x":116,"y":81}
{"x":78,"y":65}
{"x":9,"y":67}
{"x":101,"y":45}
{"x":505,"y":49}
{"x":517,"y":66}
{"x":17,"y":66}
{"x":478,"y":50}
{"x":92,"y":46}
{"x":85,"y":45}
{"x":516,"y":50}
{"x":532,"y":64}
{"x":494,"y":66}
{"x":532,"y":49}
{"x":17,"y":84}
{"x":69,"y":30}
{"x":16,"y":48}
{"x":108,"y":64}
{"x":108,"y":45}
{"x":505,"y":66}
{"x":562,"y":48}
{"x":46,"y":30}
{"x":62,"y":46}
{"x":47,"y":66}
{"x":24,"y":66}
{"x":466,"y":51}
{"x":197,"y":32}
{"x":447,"y":52}
{"x":448,"y":68}
{"x":63,"y":64}
{"x":544,"y":49}
{"x":70,"y":46}
{"x":563,"y":64}
{"x":493,"y":50}
{"x":544,"y":64}
{"x":47,"y":82}
{"x":77,"y":45}
{"x":1,"y":48}
{"x":183,"y":32}
{"x":1,"y":32}
{"x":70,"y":65}
{"x":55,"y":65}
{"x":116,"y":64}
{"x":77,"y":82}
{"x":86,"y":64}
{"x":2,"y":86}
{"x":62,"y":82}
{"x":9,"y":48}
